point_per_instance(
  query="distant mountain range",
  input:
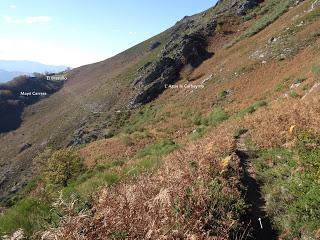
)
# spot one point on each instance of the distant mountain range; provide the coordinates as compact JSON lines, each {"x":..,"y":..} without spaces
{"x":10,"y":69}
{"x":6,"y":76}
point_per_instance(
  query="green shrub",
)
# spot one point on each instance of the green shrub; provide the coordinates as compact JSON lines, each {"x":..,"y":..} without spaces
{"x":260,"y":104}
{"x":117,"y":235}
{"x":63,"y":166}
{"x":6,"y":94}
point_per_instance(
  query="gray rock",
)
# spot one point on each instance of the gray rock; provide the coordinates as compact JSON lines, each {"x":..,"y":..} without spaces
{"x":14,"y":189}
{"x":247,"y":5}
{"x":182,"y":48}
{"x":154,"y":45}
{"x":24,"y":147}
{"x":241,"y":7}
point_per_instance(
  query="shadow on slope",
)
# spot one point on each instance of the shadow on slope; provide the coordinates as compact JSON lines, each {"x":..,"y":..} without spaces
{"x":20,"y":92}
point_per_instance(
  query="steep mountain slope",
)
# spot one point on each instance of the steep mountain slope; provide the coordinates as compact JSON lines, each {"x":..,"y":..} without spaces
{"x":213,"y":134}
{"x":90,"y":95}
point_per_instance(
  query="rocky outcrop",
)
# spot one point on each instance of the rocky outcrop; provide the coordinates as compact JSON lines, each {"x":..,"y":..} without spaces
{"x":187,"y":46}
{"x":184,"y":47}
{"x":154,"y":45}
{"x":239,"y":7}
{"x":245,"y":6}
{"x":314,"y":5}
{"x":24,"y":147}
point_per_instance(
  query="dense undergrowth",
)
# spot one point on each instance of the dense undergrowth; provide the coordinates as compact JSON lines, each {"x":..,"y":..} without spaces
{"x":65,"y":180}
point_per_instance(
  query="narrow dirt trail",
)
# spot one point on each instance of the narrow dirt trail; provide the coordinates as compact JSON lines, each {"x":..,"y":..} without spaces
{"x":263,"y":231}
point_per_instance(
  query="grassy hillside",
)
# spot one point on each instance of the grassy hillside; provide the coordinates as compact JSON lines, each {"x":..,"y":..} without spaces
{"x":194,"y":163}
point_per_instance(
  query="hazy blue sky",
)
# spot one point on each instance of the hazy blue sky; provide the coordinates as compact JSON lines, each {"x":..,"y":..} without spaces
{"x":76,"y":32}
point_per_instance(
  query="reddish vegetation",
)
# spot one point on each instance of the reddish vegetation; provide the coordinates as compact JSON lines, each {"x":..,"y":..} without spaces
{"x":172,"y":202}
{"x":144,"y":208}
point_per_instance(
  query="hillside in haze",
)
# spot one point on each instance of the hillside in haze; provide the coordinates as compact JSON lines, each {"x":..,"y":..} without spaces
{"x":209,"y":130}
{"x":10,"y":69}
{"x":6,"y":76}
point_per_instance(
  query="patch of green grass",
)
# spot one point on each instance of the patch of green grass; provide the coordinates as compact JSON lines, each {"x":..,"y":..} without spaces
{"x":293,"y":94}
{"x":311,"y":16}
{"x":90,"y":181}
{"x":273,"y":10}
{"x":91,"y":185}
{"x":198,"y":133}
{"x":148,"y":163}
{"x":222,"y":205}
{"x":282,"y":85}
{"x":149,"y":158}
{"x":158,"y":149}
{"x":316,"y":72}
{"x":119,"y":235}
{"x":22,"y":193}
{"x":214,"y":118}
{"x":251,"y":109}
{"x":290,"y":181}
{"x":31,"y":215}
{"x":193,"y":116}
{"x":217,"y":116}
{"x":143,"y":115}
{"x":197,"y":119}
{"x":222,"y":95}
{"x":103,"y":175}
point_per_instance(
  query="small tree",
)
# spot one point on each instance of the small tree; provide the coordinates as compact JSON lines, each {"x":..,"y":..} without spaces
{"x":63,"y":166}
